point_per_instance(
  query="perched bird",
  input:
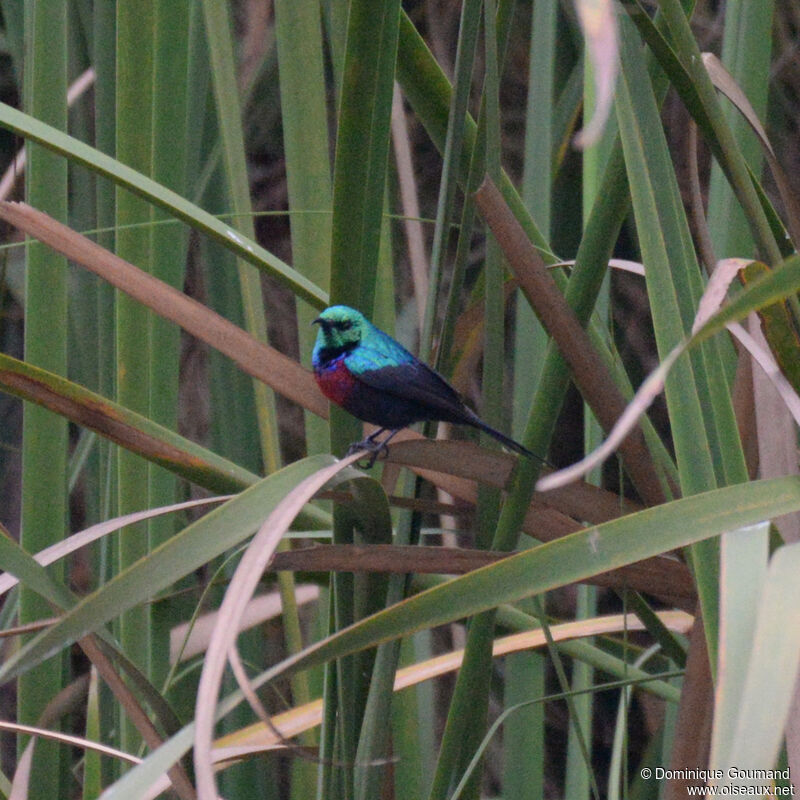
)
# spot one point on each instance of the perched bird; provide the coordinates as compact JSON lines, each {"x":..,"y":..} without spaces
{"x":374,"y":378}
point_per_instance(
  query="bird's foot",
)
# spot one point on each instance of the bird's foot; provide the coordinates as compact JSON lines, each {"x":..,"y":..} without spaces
{"x":375,"y":449}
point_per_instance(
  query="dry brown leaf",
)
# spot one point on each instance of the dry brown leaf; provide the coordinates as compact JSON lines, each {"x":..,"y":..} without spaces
{"x":599,"y":25}
{"x":91,"y":534}
{"x":257,"y":359}
{"x":725,"y":83}
{"x":16,"y":169}
{"x":711,"y":301}
{"x":593,"y":380}
{"x":257,"y":738}
{"x":198,"y":633}
{"x":662,"y":577}
{"x":241,"y":588}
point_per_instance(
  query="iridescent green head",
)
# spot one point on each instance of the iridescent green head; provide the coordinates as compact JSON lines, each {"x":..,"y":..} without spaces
{"x":341,"y":328}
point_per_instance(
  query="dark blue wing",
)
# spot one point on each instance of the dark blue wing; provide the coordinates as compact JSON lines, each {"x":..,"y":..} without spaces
{"x":416,"y":385}
{"x":399,"y":394}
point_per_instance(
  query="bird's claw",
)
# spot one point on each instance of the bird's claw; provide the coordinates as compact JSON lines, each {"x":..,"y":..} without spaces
{"x":375,"y":450}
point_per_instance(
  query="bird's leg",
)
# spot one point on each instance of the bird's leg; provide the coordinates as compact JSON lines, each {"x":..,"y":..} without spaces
{"x":379,"y":448}
{"x":372,"y":446}
{"x":366,"y":444}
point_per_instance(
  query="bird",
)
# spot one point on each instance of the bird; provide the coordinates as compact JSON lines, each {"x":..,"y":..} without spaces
{"x":374,"y":378}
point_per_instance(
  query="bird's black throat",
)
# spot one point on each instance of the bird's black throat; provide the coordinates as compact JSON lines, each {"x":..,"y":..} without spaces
{"x":327,"y":355}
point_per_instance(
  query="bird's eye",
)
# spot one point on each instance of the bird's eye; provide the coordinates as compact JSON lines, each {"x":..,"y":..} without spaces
{"x":345,"y":325}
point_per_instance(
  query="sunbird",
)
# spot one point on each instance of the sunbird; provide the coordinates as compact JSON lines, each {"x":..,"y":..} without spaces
{"x":374,"y":378}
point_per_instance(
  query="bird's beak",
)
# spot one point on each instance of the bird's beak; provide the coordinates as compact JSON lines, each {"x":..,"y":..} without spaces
{"x":318,"y":321}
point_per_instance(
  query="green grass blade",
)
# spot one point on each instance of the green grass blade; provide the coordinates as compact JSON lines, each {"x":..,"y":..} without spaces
{"x":233,"y":416}
{"x":744,"y":561}
{"x":743,"y":556}
{"x":523,"y":733}
{"x":169,"y":243}
{"x":686,"y":70}
{"x":466,"y":719}
{"x":467,"y":715}
{"x":135,"y":46}
{"x":374,"y":737}
{"x":104,"y":57}
{"x":537,"y":186}
{"x":494,"y":302}
{"x":657,"y":230}
{"x":362,"y":150}
{"x":44,"y":442}
{"x":579,"y":777}
{"x":360,"y":164}
{"x":221,"y":529}
{"x":579,"y":780}
{"x":528,"y":573}
{"x":14,"y":25}
{"x":601,"y":231}
{"x":53,"y":139}
{"x":201,"y":143}
{"x":764,"y":702}
{"x":412,"y":741}
{"x":304,"y":116}
{"x":92,"y":770}
{"x":427,"y":89}
{"x":144,"y":437}
{"x":33,"y":576}
{"x":169,"y":246}
{"x":746,"y":47}
{"x":673,"y":278}
{"x":454,"y":138}
{"x":226,"y":93}
{"x":566,"y":560}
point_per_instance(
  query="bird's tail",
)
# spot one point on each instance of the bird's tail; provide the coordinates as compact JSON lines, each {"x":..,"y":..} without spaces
{"x":506,"y":440}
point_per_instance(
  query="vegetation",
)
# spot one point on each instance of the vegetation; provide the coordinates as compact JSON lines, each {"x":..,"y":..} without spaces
{"x":469,"y":176}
